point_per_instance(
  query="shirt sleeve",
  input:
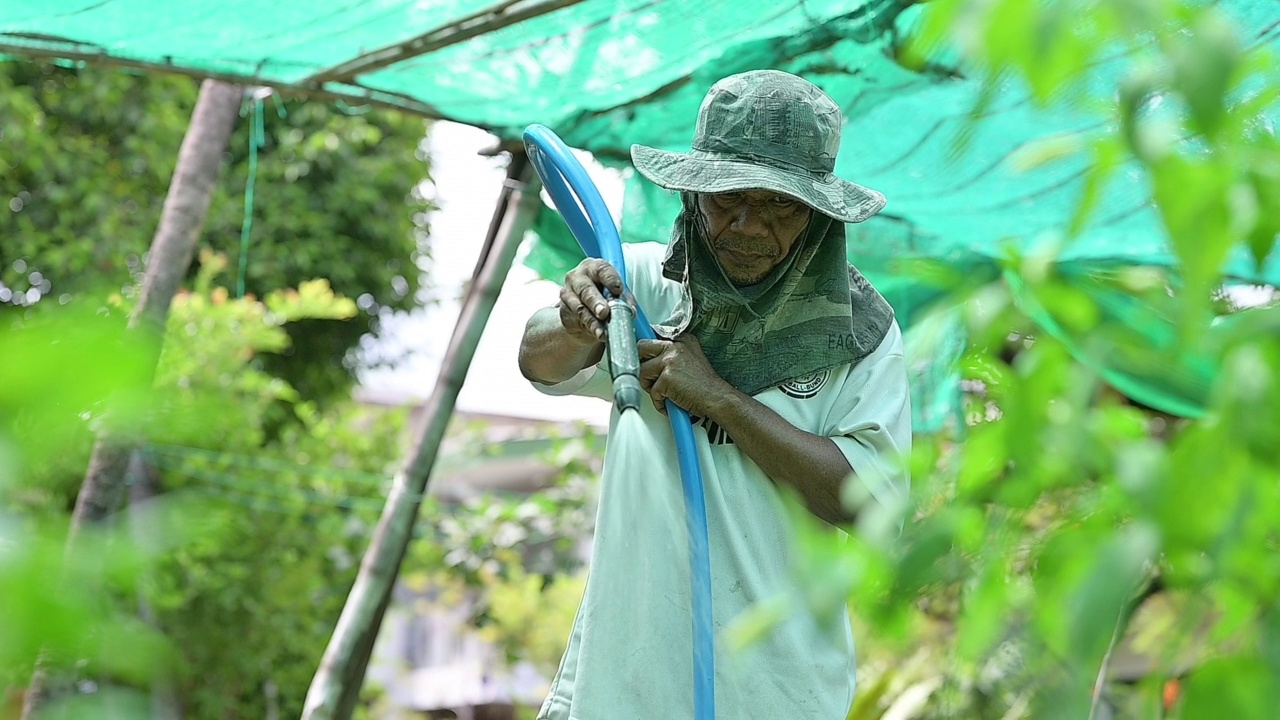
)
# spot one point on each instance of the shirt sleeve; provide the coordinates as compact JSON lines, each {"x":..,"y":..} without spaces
{"x":870,"y":422}
{"x":593,"y":381}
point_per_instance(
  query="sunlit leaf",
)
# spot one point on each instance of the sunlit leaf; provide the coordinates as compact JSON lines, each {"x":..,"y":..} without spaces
{"x":984,"y":459}
{"x":313,"y":299}
{"x":1045,"y":151}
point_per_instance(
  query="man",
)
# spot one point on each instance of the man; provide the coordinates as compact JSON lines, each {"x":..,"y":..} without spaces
{"x":792,"y":366}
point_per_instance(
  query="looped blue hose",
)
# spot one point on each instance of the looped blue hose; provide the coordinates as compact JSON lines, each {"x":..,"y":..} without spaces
{"x":584,"y":211}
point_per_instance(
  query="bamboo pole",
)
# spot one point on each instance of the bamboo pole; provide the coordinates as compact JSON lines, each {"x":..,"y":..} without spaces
{"x":336,"y":685}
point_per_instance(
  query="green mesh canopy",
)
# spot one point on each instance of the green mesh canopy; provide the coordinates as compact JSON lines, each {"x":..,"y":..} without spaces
{"x":605,"y":74}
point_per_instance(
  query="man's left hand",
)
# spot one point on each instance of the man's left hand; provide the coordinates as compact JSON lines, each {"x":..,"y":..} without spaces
{"x":679,"y":371}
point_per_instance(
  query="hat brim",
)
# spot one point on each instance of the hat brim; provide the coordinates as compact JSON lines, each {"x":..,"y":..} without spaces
{"x":701,"y":173}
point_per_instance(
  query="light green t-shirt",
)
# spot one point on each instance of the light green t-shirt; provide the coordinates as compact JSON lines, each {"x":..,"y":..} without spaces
{"x":630,"y":652}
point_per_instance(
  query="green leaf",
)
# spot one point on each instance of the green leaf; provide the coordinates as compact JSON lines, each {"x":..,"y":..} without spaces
{"x":1199,"y":225}
{"x":926,"y":552}
{"x":1006,"y":50}
{"x":1264,"y":179}
{"x":1065,"y":38}
{"x":1095,"y":606}
{"x":1137,"y":84}
{"x":1239,"y":687}
{"x":1195,"y":514}
{"x":939,"y":21}
{"x":1106,"y":156}
{"x":1044,"y":151}
{"x":1069,"y":305}
{"x":1204,"y":61}
{"x":314,"y":299}
{"x":983,"y":462}
{"x":987,"y":608}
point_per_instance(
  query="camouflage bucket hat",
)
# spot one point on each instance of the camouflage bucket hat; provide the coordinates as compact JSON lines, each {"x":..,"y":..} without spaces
{"x":766,"y":130}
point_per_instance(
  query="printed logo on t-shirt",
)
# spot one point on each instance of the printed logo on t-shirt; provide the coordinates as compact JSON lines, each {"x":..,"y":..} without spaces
{"x":805,"y":387}
{"x":716,"y":435}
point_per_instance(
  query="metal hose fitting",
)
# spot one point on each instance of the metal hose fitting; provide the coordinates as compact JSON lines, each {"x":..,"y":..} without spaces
{"x":624,"y":359}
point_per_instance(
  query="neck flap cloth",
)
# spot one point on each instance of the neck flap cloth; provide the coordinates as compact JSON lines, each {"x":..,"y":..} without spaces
{"x":814,"y":312}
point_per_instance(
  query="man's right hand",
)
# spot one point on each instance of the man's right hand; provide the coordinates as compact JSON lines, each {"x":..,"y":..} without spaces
{"x":584,"y":310}
{"x":561,"y":341}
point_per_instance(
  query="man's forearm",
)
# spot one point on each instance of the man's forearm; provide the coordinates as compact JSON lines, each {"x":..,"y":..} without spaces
{"x":550,"y":354}
{"x":811,"y":464}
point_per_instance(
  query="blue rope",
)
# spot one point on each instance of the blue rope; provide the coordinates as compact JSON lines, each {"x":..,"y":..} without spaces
{"x":573,"y":193}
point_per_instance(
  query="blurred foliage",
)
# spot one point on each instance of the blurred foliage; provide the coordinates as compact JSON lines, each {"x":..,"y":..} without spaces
{"x":46,"y":422}
{"x":234,"y":538}
{"x":248,"y":539}
{"x":476,"y":540}
{"x":86,"y":156}
{"x":295,"y":512}
{"x":516,"y":561}
{"x":531,"y":616}
{"x":53,"y":605}
{"x":1069,"y":553}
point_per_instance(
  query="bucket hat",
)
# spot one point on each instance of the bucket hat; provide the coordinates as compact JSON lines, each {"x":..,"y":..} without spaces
{"x":764,"y":130}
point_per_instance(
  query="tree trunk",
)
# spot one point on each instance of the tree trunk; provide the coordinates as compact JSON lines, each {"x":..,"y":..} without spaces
{"x":143,"y":488}
{"x":172,"y":249}
{"x":336,"y":685}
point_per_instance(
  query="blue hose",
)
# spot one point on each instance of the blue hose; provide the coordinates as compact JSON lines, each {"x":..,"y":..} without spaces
{"x":573,"y":193}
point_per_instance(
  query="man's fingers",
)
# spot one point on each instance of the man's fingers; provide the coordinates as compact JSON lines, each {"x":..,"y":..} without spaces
{"x":649,"y":372}
{"x":581,"y":286}
{"x":604,"y":275}
{"x":652,"y":382}
{"x":589,"y":280}
{"x":649,"y":349}
{"x":659,"y":401}
{"x":652,"y":365}
{"x":596,"y":327}
{"x":572,"y":306}
{"x":659,"y":393}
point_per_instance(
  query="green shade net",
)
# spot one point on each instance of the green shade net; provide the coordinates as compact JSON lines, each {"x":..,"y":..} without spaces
{"x":608,"y":73}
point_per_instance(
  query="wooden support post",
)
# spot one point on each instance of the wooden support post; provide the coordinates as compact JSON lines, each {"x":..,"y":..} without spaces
{"x":336,"y":685}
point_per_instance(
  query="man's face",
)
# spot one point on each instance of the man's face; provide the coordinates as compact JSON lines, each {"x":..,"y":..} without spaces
{"x":750,"y":232}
